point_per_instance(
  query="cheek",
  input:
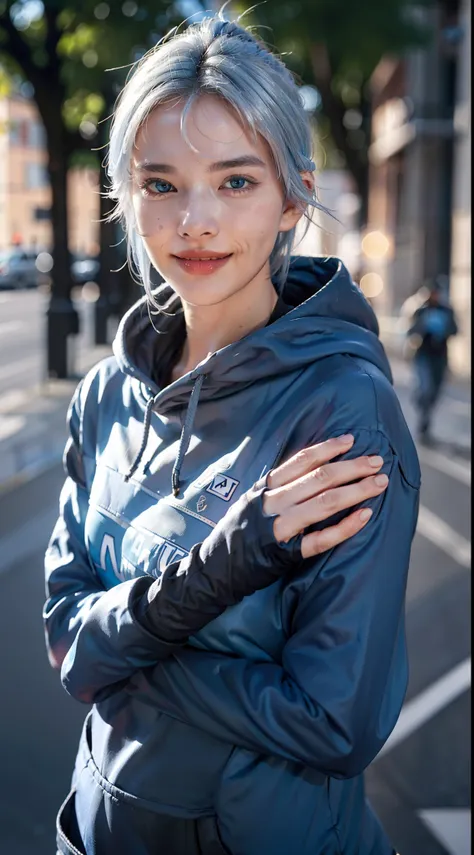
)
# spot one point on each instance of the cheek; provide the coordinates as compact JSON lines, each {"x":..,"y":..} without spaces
{"x":149,"y":217}
{"x":261,"y":220}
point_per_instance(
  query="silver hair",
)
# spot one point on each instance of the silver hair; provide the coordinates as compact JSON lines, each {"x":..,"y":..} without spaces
{"x":220,"y":57}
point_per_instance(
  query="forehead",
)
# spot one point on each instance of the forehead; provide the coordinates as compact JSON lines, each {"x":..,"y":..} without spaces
{"x":212,"y":131}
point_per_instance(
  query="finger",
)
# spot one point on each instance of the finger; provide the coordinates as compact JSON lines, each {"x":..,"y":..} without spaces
{"x":324,"y":506}
{"x":321,"y":541}
{"x":319,"y":480}
{"x":308,"y":459}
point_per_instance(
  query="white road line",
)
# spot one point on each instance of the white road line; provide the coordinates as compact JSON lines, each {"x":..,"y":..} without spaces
{"x":427,"y":704}
{"x":455,"y":468}
{"x":444,"y":537}
{"x":451,"y":826}
{"x":18,"y":367}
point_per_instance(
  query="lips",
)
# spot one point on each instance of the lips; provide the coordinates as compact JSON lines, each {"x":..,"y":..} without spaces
{"x":201,"y":255}
{"x":200,"y":263}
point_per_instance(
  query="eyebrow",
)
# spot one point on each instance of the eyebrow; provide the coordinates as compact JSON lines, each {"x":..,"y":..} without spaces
{"x":220,"y":165}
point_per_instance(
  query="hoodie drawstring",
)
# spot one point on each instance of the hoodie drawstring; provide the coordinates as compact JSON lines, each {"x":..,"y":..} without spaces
{"x":186,"y":433}
{"x":146,"y":431}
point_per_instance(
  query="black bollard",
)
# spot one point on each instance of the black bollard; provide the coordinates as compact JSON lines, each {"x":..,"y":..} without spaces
{"x":62,"y":322}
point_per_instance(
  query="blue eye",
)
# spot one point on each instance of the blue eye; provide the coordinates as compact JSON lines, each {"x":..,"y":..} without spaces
{"x":158,"y":186}
{"x":237,"y":182}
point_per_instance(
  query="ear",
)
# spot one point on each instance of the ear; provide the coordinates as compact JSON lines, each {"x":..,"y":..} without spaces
{"x":292,"y":213}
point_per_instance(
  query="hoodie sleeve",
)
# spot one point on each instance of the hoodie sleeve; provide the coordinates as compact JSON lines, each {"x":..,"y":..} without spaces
{"x":334,"y":699}
{"x":72,"y":586}
{"x":75,"y":595}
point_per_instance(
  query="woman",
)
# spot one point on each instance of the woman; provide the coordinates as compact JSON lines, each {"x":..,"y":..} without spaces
{"x":239,"y":633}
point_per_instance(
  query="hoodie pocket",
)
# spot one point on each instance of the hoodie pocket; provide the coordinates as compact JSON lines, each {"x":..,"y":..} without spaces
{"x":67,"y":835}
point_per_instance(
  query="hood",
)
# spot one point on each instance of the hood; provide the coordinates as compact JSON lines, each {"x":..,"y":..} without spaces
{"x":329,"y":314}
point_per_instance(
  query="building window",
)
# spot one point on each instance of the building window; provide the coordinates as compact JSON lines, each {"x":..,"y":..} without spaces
{"x":37,"y":136}
{"x":14,"y":132}
{"x":42,"y":214}
{"x":36,"y":176}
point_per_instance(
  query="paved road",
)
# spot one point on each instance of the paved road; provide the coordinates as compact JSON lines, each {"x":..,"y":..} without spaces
{"x":22,"y":334}
{"x":420,"y":783}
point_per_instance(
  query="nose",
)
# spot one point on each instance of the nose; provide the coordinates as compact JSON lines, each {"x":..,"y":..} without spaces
{"x":199,"y":218}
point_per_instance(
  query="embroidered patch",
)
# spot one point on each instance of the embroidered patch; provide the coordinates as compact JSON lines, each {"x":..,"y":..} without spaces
{"x":223,"y":486}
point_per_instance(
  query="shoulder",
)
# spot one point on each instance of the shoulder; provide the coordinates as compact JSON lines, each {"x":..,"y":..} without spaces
{"x":358,"y":398}
{"x":101,"y":381}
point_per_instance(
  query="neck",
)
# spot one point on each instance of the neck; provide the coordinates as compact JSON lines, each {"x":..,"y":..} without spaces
{"x":209,"y":328}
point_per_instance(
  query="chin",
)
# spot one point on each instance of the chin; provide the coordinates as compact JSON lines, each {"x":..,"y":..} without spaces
{"x":204,"y":293}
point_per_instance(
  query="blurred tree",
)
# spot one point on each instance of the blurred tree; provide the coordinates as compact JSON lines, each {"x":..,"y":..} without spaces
{"x":336,"y":45}
{"x":63,"y":49}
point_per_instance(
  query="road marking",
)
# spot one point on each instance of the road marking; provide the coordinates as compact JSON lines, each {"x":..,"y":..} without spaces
{"x":458,"y":469}
{"x":427,"y":704}
{"x":444,"y":537}
{"x":18,"y":367}
{"x":451,"y":826}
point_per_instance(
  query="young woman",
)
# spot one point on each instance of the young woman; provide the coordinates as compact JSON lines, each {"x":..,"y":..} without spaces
{"x":214,"y":588}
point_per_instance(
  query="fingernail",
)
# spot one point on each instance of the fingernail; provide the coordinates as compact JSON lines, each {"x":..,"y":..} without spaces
{"x":375,"y":460}
{"x":365,"y":514}
{"x":381,"y":480}
{"x":347,"y":437}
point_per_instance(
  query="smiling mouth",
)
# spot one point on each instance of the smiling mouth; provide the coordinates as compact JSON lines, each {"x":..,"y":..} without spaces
{"x":202,"y":257}
{"x":202,"y":265}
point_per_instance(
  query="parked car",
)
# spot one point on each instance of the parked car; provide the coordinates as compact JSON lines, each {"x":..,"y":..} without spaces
{"x":18,"y":268}
{"x":85,"y":269}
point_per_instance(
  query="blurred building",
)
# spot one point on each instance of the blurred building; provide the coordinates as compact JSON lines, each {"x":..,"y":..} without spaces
{"x":335,"y":232}
{"x":25,"y":196}
{"x":419,"y":196}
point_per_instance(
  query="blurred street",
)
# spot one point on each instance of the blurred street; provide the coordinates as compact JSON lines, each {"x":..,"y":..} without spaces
{"x":420,"y":783}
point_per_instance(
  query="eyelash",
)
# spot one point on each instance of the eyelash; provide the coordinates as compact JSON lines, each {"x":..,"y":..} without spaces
{"x":145,"y":186}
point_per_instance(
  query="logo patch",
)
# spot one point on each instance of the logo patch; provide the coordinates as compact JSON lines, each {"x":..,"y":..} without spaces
{"x":223,"y":486}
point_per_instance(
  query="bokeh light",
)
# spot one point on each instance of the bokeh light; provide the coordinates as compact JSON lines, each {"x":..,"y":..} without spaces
{"x":371,"y":285}
{"x":375,"y":244}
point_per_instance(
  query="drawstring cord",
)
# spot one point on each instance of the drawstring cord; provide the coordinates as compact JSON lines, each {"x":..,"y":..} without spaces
{"x":146,"y":431}
{"x":186,"y":433}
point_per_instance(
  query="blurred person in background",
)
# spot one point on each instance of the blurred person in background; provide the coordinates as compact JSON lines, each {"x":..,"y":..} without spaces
{"x":431,"y":323}
{"x":226,"y":580}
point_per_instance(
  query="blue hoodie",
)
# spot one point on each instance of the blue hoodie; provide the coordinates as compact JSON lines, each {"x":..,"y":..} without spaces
{"x":266,"y":716}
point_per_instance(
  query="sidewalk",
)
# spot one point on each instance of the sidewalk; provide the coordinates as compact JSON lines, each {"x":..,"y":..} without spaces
{"x":33,"y":428}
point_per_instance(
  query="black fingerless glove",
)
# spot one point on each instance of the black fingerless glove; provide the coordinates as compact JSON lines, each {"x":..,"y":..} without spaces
{"x":239,"y":557}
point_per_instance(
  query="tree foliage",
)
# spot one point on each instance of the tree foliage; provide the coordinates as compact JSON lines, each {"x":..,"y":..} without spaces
{"x":336,"y":45}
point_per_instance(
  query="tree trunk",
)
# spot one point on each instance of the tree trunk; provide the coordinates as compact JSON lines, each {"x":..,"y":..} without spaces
{"x":62,"y":317}
{"x":334,"y":109}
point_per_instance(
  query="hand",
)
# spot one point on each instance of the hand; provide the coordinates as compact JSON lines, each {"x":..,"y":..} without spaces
{"x":308,"y":489}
